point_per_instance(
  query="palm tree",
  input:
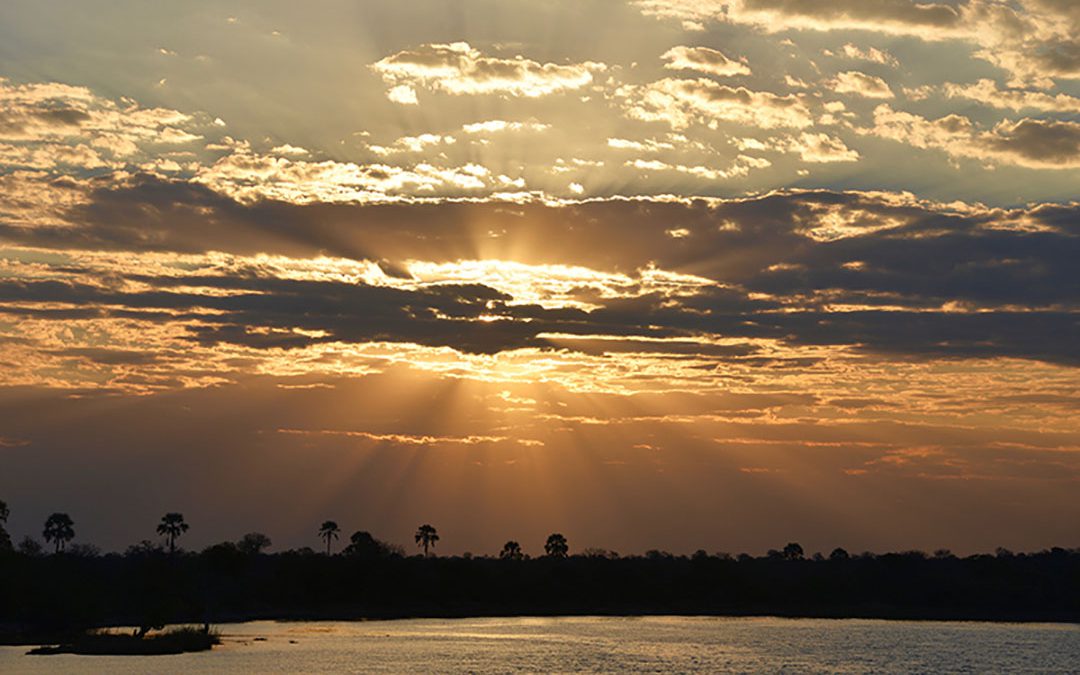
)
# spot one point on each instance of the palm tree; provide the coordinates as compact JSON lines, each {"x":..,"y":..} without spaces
{"x":329,"y":531}
{"x":59,"y":529}
{"x":172,"y":526}
{"x":426,"y":536}
{"x":556,"y":546}
{"x":511,"y":550}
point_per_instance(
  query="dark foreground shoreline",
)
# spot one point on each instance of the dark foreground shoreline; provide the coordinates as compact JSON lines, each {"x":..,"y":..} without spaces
{"x":49,"y":600}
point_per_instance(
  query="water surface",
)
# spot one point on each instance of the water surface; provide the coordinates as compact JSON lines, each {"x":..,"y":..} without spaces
{"x":603,"y":644}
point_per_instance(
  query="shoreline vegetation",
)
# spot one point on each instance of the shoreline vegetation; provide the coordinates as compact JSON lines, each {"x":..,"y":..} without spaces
{"x":61,"y":600}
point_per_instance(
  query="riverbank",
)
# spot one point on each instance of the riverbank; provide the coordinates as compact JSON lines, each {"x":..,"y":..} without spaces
{"x":68,"y":594}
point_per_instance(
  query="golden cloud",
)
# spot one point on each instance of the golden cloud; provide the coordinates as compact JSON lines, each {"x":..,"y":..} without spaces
{"x":458,"y":68}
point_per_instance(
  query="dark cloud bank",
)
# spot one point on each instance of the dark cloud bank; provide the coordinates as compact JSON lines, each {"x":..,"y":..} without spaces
{"x":911,"y":277}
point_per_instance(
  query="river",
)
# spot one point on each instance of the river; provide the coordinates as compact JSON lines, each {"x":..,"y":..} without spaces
{"x":603,"y":644}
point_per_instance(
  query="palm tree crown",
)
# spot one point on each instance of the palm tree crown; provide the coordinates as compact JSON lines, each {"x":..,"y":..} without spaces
{"x":172,"y":525}
{"x":59,"y":529}
{"x":426,"y":536}
{"x":329,"y":531}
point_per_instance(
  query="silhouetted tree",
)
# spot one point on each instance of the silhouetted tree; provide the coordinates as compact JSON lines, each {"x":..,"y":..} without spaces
{"x":511,"y":550}
{"x":362,"y":544}
{"x":142,"y":549}
{"x":31,"y":547}
{"x":328,"y":531}
{"x":556,"y":546}
{"x":84,"y":551}
{"x":172,"y":525}
{"x":593,"y":552}
{"x":253,"y":543}
{"x":839,"y":554}
{"x":5,"y":538}
{"x":426,"y":536}
{"x":59,"y":530}
{"x":793,"y":551}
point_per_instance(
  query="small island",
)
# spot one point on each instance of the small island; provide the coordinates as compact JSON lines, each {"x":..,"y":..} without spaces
{"x":105,"y":643}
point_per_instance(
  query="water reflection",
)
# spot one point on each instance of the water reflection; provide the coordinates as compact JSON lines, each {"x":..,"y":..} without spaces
{"x":607,"y":644}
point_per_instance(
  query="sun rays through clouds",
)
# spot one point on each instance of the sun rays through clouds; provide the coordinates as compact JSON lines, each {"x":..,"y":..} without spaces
{"x":611,"y":268}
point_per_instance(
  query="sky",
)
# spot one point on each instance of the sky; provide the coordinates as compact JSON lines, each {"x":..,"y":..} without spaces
{"x":654,"y":274}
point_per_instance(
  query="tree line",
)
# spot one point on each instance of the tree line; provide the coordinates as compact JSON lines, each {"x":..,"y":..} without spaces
{"x":155,"y":583}
{"x":59,"y":531}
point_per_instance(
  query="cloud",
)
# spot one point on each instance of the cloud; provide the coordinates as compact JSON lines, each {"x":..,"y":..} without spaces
{"x":872,"y":54}
{"x":987,"y":92}
{"x":861,"y":84}
{"x":742,"y":165}
{"x":53,"y":111}
{"x":460,"y":69}
{"x":704,"y":60}
{"x":410,"y":439}
{"x":681,"y":103}
{"x":1041,"y":144}
{"x":252,"y":176}
{"x":1034,"y":40}
{"x":644,"y":145}
{"x":50,"y":156}
{"x":413,"y":144}
{"x":290,"y":150}
{"x":1030,"y":143}
{"x":882,"y":272}
{"x":38,"y":198}
{"x":402,"y":94}
{"x":68,"y":132}
{"x":819,"y":148}
{"x":497,"y":126}
{"x":900,"y":16}
{"x":692,"y":13}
